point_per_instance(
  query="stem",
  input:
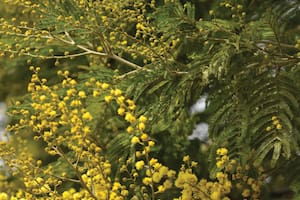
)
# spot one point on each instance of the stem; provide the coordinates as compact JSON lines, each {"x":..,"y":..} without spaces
{"x":89,"y":51}
{"x":61,"y":153}
{"x":126,"y":62}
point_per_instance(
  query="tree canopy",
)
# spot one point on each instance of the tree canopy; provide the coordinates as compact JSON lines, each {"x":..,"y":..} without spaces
{"x":99,"y":96}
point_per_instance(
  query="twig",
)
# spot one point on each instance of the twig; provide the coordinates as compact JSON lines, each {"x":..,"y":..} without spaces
{"x":61,"y":153}
{"x":89,"y":51}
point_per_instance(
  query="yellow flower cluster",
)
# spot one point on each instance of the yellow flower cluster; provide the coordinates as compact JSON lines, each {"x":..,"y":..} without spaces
{"x":237,"y":176}
{"x":192,"y":188}
{"x":112,"y":16}
{"x":236,"y":9}
{"x":276,"y":125}
{"x":230,"y":175}
{"x":58,"y":116}
{"x":61,"y":120}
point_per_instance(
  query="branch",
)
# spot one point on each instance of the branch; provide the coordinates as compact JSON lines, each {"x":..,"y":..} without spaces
{"x":276,"y":43}
{"x":62,"y":154}
{"x":89,"y":51}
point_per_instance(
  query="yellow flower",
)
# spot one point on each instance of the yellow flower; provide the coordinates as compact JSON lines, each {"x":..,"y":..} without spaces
{"x":130,"y":129}
{"x":278,"y":126}
{"x":52,"y":113}
{"x":124,"y":192}
{"x":268,"y":128}
{"x":121,"y":111}
{"x":275,"y":122}
{"x":104,"y":86}
{"x":141,"y":126}
{"x":117,"y":92}
{"x":139,"y":165}
{"x":82,"y":94}
{"x":246,"y":193}
{"x":71,"y":92}
{"x":167,"y":184}
{"x":194,"y":164}
{"x":184,"y":177}
{"x":108,"y":98}
{"x":43,"y":98}
{"x":124,"y":42}
{"x":99,"y":49}
{"x":120,"y":100}
{"x":163,"y":170}
{"x":156,"y":177}
{"x":66,"y":195}
{"x":147,"y":181}
{"x":3,"y":196}
{"x":96,"y":93}
{"x":75,"y":103}
{"x":130,"y":102}
{"x":86,"y":130}
{"x":220,"y":176}
{"x":220,"y":164}
{"x":132,"y":107}
{"x":138,"y":154}
{"x":186,"y":158}
{"x":215,"y":195}
{"x":222,"y":151}
{"x":171,"y":173}
{"x":152,"y":161}
{"x":135,"y":140}
{"x":73,"y":82}
{"x":161,"y":189}
{"x":151,"y":143}
{"x":87,"y":116}
{"x":47,"y":134}
{"x":129,"y":117}
{"x":45,"y":188}
{"x":144,"y":137}
{"x":142,"y":119}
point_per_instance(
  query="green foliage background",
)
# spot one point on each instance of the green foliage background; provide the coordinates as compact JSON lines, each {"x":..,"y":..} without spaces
{"x":246,"y":59}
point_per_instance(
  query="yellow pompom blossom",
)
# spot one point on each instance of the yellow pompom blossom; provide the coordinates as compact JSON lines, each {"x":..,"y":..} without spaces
{"x":82,"y":94}
{"x":49,"y":112}
{"x":276,"y":125}
{"x":246,"y":193}
{"x":116,"y":92}
{"x":87,"y":116}
{"x":215,"y":195}
{"x":144,"y":137}
{"x":220,"y":188}
{"x":186,"y":159}
{"x":268,"y":128}
{"x":130,"y":129}
{"x":96,"y":93}
{"x":108,"y":98}
{"x":222,"y":151}
{"x":121,"y":111}
{"x":99,"y":48}
{"x":105,"y":86}
{"x":141,"y":126}
{"x":129,"y":117}
{"x":142,"y":119}
{"x":3,"y":196}
{"x":59,"y":117}
{"x":135,"y":140}
{"x":151,"y":143}
{"x":139,"y":165}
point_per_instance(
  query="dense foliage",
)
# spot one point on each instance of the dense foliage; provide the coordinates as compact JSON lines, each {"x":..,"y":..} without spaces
{"x":106,"y":111}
